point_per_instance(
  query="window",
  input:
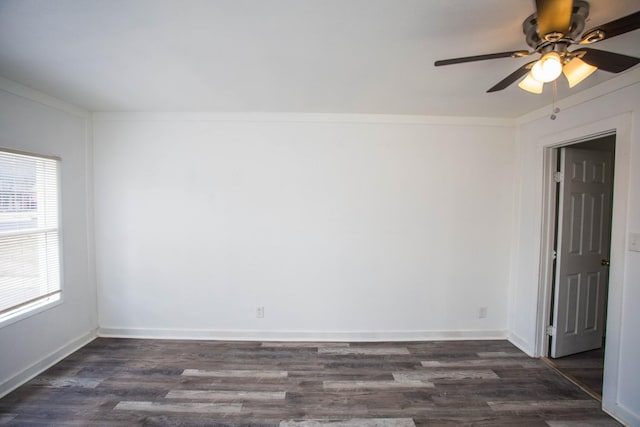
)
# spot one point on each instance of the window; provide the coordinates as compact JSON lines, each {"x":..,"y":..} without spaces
{"x":29,"y":237}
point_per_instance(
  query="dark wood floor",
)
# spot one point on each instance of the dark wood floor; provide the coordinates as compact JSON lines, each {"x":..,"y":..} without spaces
{"x":586,"y":368}
{"x":157,"y":382}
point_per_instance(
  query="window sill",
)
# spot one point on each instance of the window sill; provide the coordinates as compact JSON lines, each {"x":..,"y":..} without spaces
{"x":30,"y":310}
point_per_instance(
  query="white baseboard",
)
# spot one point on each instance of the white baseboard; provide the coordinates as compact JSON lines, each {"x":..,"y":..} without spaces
{"x":46,"y":362}
{"x":249,"y":335}
{"x":622,"y":414}
{"x":521,"y":344}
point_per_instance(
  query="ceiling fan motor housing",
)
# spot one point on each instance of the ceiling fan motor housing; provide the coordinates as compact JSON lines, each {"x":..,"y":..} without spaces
{"x":540,"y":42}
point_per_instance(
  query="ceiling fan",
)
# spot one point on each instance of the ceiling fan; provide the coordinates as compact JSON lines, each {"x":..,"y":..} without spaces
{"x":550,"y":32}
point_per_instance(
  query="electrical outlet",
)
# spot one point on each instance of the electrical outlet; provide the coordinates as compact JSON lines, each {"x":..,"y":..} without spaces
{"x":482,"y":313}
{"x":260,"y":312}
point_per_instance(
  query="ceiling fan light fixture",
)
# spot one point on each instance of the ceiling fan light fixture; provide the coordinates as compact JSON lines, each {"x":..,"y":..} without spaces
{"x":577,"y":70}
{"x":530,"y":84}
{"x":550,"y":32}
{"x":548,"y":68}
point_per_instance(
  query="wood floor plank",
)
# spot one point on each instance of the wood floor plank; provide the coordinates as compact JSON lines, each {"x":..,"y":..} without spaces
{"x":362,"y":422}
{"x":195,"y":407}
{"x":538,"y":405}
{"x":584,"y":423}
{"x":5,"y":418}
{"x":373,"y":385}
{"x":466,"y":363}
{"x":296,"y":344}
{"x":498,"y":354}
{"x":65,"y":381}
{"x":377,"y":351}
{"x":225,"y":396}
{"x":235,"y":373}
{"x":446,"y":374}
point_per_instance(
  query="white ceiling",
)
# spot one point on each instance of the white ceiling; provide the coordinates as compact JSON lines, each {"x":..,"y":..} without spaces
{"x":321,"y":56}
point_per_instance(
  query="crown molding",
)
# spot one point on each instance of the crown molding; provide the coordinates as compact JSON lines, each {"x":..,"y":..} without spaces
{"x":304,"y":118}
{"x":17,"y":89}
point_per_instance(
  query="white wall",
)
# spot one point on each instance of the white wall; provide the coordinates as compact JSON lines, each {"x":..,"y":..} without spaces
{"x":35,"y":123}
{"x":342,"y":228}
{"x":607,"y":109}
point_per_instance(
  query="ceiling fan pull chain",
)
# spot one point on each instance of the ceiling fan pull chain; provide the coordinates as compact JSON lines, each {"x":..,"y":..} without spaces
{"x":555,"y":110}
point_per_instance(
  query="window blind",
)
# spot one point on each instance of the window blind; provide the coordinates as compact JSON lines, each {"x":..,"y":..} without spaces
{"x":29,"y":235}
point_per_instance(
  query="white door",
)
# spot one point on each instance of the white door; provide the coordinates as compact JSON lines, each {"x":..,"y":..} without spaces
{"x":584,"y":232}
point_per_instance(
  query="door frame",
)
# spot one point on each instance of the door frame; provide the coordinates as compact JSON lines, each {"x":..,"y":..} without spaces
{"x":621,"y":127}
{"x":549,"y":217}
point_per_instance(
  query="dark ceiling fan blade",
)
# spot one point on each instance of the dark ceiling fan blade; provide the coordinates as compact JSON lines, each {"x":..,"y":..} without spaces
{"x":554,"y":16}
{"x":608,"y":61}
{"x":507,"y":81}
{"x":612,"y":29}
{"x":513,"y":54}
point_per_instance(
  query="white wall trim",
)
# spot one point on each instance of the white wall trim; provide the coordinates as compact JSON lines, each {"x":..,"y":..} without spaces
{"x":41,"y":98}
{"x":305,"y":118}
{"x":623,"y":415}
{"x":46,"y":362}
{"x":258,"y":335}
{"x":521,"y":343}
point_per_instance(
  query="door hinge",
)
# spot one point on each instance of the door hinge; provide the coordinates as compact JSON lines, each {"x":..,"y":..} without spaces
{"x":550,"y":330}
{"x":558,"y":176}
{"x":554,"y":255}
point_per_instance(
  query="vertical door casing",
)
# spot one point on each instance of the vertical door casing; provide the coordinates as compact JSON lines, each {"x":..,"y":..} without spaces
{"x":584,"y":230}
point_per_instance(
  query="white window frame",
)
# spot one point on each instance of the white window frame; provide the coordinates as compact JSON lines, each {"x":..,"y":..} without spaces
{"x":53,"y":297}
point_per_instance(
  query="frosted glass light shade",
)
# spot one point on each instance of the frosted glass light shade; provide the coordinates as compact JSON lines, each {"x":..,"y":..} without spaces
{"x":548,"y":68}
{"x":530,"y":84}
{"x":577,"y":70}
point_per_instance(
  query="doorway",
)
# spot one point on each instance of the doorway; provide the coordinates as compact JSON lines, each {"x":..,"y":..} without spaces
{"x":580,"y":267}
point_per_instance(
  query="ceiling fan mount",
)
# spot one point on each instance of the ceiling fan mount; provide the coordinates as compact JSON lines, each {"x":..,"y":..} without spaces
{"x":551,"y":31}
{"x":535,"y":40}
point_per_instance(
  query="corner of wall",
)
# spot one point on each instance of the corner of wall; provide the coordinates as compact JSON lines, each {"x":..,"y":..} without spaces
{"x":91,"y":255}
